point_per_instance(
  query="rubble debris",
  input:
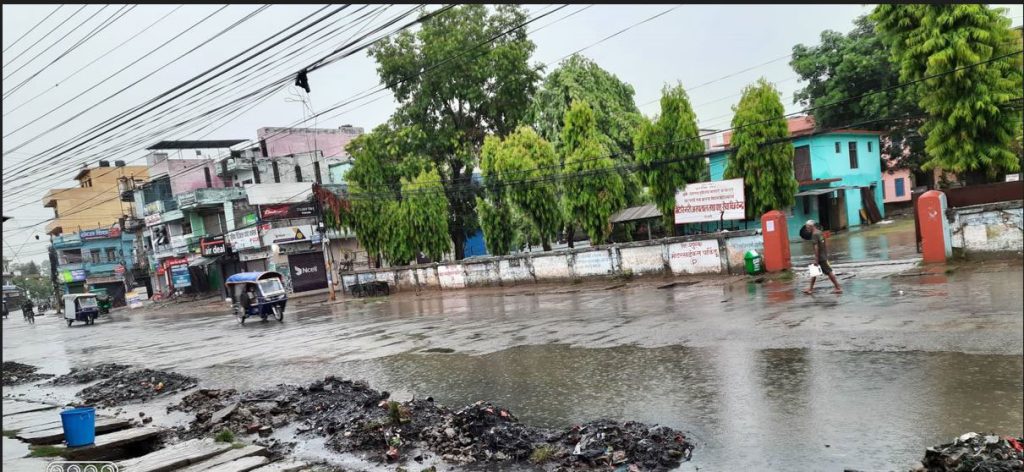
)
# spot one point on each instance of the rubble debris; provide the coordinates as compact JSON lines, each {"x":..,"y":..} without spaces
{"x":15,"y":373}
{"x":358,"y":419}
{"x":135,"y":386}
{"x":975,"y":453}
{"x":81,"y":375}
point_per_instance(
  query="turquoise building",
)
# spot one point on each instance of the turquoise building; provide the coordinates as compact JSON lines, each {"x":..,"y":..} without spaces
{"x":95,"y":259}
{"x":840,"y":176}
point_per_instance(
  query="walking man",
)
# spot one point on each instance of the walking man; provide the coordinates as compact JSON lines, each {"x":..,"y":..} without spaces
{"x":820,"y":257}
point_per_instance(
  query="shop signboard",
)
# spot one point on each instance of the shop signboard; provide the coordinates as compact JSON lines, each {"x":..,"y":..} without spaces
{"x":154,"y":219}
{"x":249,"y":219}
{"x":711,"y":201}
{"x":248,"y":238}
{"x":307,"y":271}
{"x":100,"y":233}
{"x":290,"y":234}
{"x":287,"y":210}
{"x":212,"y":246}
{"x":70,"y":276}
{"x":180,"y":277}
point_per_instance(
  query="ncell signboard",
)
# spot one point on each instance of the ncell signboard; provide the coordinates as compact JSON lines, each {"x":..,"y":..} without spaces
{"x":711,"y":201}
{"x":307,"y":271}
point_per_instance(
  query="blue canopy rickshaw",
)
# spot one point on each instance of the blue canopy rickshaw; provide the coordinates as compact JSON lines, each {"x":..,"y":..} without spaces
{"x":256,"y":294}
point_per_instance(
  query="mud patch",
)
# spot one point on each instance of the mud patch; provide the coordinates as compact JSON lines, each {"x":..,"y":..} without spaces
{"x":15,"y":373}
{"x":135,"y":386}
{"x":81,"y":375}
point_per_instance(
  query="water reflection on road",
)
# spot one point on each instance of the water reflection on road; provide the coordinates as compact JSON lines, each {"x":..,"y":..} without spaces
{"x":763,"y":377}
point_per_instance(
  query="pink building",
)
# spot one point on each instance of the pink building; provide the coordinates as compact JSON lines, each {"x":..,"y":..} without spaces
{"x":185,"y":174}
{"x":284,"y":141}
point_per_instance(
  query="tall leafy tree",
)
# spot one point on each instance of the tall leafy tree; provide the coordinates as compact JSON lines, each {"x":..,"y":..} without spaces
{"x":525,"y":166}
{"x":842,"y":69}
{"x":760,"y":152}
{"x":615,"y":112}
{"x":495,"y":211}
{"x":457,"y":85}
{"x":968,"y":130}
{"x":593,"y":190}
{"x":674,"y":134}
{"x":382,"y":158}
{"x":424,"y":216}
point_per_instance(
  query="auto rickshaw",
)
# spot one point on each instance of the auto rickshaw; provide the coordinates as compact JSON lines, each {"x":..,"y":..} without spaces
{"x":81,"y":307}
{"x":256,"y":294}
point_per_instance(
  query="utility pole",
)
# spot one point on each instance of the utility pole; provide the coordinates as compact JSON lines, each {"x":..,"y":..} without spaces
{"x":322,"y":229}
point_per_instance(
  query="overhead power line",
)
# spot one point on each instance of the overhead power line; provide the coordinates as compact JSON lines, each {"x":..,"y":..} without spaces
{"x":37,"y":56}
{"x":40,"y":40}
{"x":33,"y":28}
{"x":80,"y":69}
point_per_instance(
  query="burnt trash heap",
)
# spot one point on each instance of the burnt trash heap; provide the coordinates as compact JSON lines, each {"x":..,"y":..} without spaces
{"x":358,"y":419}
{"x":973,"y":452}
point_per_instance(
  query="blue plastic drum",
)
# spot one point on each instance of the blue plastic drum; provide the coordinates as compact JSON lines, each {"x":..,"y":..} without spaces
{"x":79,"y":426}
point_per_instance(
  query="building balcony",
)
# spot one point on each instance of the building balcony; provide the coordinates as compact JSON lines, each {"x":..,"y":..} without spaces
{"x":209,"y":197}
{"x":160,"y":206}
{"x":234,"y":165}
{"x":66,"y":241}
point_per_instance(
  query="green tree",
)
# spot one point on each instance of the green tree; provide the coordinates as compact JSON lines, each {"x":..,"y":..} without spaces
{"x":424,"y":218}
{"x":843,"y":69}
{"x":674,"y":134}
{"x":457,"y":85}
{"x":522,"y":169}
{"x":498,"y":224}
{"x":760,"y":152}
{"x":968,"y":130}
{"x":593,"y":190}
{"x":382,"y":158}
{"x":616,"y":114}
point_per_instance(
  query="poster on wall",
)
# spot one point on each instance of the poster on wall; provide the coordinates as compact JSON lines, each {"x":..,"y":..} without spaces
{"x":711,"y":201}
{"x":180,"y":277}
{"x":69,"y":276}
{"x":695,"y":257}
{"x":307,"y":271}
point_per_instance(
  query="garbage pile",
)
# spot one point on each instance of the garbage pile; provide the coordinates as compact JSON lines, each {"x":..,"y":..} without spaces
{"x":15,"y":373}
{"x":81,"y":375}
{"x":605,"y":443}
{"x":975,"y":453}
{"x":256,"y":412}
{"x":129,"y":386}
{"x":483,"y":432}
{"x":358,"y":419}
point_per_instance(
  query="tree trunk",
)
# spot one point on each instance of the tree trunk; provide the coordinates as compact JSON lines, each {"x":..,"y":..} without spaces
{"x":570,"y":235}
{"x":460,"y":247}
{"x":547,"y":245}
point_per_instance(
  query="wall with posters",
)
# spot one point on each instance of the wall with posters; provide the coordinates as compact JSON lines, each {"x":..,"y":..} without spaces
{"x":716,"y":253}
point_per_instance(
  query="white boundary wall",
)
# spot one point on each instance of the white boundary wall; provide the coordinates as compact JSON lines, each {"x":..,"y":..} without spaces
{"x":716,"y":253}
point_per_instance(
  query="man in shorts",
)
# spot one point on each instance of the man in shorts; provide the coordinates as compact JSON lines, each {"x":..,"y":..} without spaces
{"x":820,"y":257}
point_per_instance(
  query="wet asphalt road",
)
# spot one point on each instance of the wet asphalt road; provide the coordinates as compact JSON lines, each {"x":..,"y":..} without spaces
{"x":762,"y":376}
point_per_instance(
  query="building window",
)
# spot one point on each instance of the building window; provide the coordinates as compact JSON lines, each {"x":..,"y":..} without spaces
{"x":111,"y":254}
{"x":277,"y":172}
{"x":298,"y":173}
{"x":883,"y":191}
{"x":316,"y":171}
{"x":837,"y":147}
{"x":901,"y":187}
{"x":853,"y":154}
{"x":186,"y":226}
{"x":94,"y":256}
{"x":209,"y":180}
{"x":869,"y":146}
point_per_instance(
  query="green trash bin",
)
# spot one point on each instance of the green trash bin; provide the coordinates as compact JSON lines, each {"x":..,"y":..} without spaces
{"x":752,"y":262}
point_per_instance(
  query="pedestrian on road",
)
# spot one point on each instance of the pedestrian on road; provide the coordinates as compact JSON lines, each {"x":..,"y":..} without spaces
{"x":820,"y":256}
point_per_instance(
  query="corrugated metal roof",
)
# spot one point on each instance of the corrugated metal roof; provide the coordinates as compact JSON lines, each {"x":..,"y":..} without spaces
{"x":285,"y":192}
{"x":201,"y":144}
{"x":642,"y":212}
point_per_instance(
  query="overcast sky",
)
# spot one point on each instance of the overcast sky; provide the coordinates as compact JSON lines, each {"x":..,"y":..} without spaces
{"x":694,"y":44}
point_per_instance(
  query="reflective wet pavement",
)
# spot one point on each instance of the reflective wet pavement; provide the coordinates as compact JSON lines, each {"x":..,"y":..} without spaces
{"x":764,"y":377}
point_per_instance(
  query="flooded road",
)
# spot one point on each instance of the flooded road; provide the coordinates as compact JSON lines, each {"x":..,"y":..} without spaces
{"x":763,"y":377}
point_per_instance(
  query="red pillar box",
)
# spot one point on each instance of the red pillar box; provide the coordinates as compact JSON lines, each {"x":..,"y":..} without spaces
{"x":776,"y":241}
{"x":931,"y":218}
